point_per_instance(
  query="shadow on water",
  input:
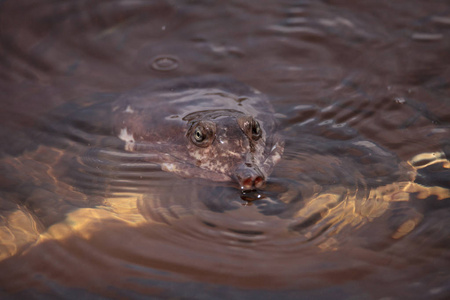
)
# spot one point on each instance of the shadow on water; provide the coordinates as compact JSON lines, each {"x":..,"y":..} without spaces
{"x":357,"y":207}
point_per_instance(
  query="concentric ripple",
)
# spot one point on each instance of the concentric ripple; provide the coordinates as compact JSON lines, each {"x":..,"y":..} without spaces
{"x":358,"y":207}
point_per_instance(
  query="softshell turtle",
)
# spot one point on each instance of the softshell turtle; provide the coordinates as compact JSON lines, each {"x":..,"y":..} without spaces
{"x":213,"y":128}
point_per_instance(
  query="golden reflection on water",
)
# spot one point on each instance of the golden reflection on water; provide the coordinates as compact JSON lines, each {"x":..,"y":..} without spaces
{"x":19,"y":230}
{"x":83,"y":222}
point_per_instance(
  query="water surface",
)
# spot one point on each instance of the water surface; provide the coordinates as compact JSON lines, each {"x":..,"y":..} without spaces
{"x":358,"y":207}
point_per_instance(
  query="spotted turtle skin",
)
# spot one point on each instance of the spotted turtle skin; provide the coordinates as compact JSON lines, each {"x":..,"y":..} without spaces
{"x":212,"y":128}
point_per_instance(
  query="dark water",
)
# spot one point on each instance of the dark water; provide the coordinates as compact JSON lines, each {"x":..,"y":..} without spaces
{"x":358,"y":207}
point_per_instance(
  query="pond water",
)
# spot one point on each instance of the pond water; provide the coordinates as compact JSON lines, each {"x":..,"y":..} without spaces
{"x":358,"y":207}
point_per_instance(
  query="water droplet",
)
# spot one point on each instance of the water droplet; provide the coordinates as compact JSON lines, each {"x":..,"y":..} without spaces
{"x":165,"y":63}
{"x":252,"y":195}
{"x":400,"y":100}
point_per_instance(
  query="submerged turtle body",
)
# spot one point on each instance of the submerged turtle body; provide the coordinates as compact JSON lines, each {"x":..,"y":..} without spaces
{"x":217,"y":129}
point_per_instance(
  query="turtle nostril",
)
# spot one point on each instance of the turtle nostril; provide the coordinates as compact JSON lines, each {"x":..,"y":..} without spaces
{"x":251,"y":183}
{"x":259,"y":181}
{"x":247,"y":183}
{"x":249,"y":178}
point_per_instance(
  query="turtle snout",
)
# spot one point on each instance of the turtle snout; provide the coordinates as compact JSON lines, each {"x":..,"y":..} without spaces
{"x":249,"y":177}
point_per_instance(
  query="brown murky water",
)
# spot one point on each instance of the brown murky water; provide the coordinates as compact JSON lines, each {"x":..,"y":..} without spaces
{"x":358,"y":207}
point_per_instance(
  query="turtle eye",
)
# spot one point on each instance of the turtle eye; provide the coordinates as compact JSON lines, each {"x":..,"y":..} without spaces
{"x":250,"y":127}
{"x":198,"y":135}
{"x":256,"y":130}
{"x":202,"y":134}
